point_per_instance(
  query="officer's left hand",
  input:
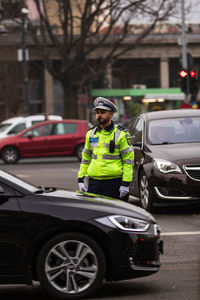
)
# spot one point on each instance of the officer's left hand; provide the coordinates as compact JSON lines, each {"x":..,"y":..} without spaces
{"x":123,"y":191}
{"x":82,"y":187}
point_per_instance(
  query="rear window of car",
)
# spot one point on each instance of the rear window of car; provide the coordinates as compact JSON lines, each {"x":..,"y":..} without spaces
{"x":3,"y":127}
{"x":18,"y":128}
{"x":36,"y":121}
{"x":65,"y":128}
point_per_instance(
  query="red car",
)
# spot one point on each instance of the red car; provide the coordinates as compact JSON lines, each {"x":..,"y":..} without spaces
{"x":49,"y":138}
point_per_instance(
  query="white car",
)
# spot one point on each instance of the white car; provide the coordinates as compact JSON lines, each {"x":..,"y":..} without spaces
{"x":15,"y":125}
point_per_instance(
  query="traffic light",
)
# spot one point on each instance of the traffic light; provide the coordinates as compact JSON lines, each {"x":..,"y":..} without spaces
{"x":193,"y":83}
{"x":183,"y":78}
{"x":189,"y":81}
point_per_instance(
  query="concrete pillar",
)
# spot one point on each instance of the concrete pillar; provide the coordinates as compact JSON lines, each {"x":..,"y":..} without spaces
{"x":164,"y":72}
{"x":48,"y":92}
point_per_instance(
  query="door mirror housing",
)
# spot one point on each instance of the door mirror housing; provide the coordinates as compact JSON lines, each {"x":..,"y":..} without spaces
{"x":134,"y":142}
{"x":137,"y":144}
{"x":2,"y":190}
{"x":30,"y":136}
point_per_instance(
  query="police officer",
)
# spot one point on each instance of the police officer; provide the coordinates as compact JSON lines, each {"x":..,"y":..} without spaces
{"x":108,"y":156}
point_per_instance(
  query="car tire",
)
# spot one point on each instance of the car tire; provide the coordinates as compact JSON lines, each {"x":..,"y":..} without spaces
{"x":71,"y":266}
{"x":146,"y":197}
{"x":10,"y":155}
{"x":79,"y":150}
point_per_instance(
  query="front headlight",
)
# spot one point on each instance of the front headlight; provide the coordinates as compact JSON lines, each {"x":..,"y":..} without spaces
{"x":124,"y":223}
{"x":166,"y":166}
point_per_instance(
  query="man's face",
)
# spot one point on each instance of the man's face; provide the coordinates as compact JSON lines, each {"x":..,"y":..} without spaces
{"x":103,"y":116}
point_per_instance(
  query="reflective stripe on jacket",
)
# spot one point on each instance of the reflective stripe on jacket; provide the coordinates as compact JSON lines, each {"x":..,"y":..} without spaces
{"x":97,"y":161}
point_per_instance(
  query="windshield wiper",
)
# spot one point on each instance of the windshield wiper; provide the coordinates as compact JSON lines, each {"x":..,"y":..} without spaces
{"x":163,"y":143}
{"x":45,"y":189}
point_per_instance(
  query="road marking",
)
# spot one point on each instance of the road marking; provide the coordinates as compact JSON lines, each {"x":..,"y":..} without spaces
{"x":180,"y":233}
{"x":73,"y":170}
{"x":23,"y":175}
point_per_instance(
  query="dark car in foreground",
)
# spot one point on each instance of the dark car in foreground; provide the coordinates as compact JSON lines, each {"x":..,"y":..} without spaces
{"x":71,"y":242}
{"x":167,"y":157}
{"x":49,"y":138}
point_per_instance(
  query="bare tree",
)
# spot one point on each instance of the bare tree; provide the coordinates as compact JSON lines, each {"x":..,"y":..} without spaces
{"x":87,"y":29}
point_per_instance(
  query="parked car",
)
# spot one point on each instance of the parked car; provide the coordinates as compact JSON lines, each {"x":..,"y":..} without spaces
{"x":71,"y":242}
{"x":49,"y":138}
{"x":15,"y":125}
{"x":167,"y":157}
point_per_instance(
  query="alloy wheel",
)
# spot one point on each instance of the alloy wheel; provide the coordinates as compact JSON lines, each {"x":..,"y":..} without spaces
{"x":71,"y":267}
{"x":10,"y":155}
{"x":144,"y":192}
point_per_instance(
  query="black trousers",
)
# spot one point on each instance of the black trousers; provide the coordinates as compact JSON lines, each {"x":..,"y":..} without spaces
{"x":109,"y":187}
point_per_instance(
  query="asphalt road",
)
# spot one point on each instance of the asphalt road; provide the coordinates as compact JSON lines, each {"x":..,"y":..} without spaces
{"x":179,"y":275}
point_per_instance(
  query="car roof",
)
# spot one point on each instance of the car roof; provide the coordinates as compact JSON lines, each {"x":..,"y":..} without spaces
{"x":33,"y":117}
{"x":168,"y":114}
{"x":61,"y":121}
{"x":81,"y":122}
{"x":54,"y":122}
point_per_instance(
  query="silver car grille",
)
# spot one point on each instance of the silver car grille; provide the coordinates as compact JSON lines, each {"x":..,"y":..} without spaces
{"x":193,"y":172}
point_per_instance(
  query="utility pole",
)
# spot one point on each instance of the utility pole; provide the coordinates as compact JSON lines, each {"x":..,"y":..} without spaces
{"x":24,"y":12}
{"x":184,"y":50}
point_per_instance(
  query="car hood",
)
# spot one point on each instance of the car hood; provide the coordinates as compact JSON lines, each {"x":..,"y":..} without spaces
{"x":99,"y":206}
{"x":187,"y":153}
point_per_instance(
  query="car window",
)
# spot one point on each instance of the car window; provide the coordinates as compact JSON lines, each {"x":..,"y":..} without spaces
{"x":138,"y":131}
{"x":36,"y":122}
{"x":3,"y":127}
{"x":64,"y":128}
{"x":18,"y":128}
{"x":177,"y":130}
{"x":42,"y":130}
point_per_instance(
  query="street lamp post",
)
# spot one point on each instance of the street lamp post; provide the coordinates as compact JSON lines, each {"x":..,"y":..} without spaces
{"x":24,"y":12}
{"x":184,"y":49}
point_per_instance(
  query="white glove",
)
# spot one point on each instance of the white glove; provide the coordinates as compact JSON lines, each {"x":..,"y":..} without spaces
{"x":82,"y":187}
{"x":123,"y":191}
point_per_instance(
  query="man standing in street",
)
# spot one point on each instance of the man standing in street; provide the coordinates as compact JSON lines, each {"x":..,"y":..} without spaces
{"x":108,"y":157}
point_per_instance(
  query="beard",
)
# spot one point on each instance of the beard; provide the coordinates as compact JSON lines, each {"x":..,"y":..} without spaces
{"x":103,"y":121}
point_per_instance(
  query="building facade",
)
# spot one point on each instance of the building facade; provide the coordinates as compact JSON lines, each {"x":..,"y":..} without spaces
{"x":154,"y":64}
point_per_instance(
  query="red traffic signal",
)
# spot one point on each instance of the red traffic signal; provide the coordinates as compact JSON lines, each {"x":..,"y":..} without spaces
{"x":183,"y":73}
{"x":193,"y":73}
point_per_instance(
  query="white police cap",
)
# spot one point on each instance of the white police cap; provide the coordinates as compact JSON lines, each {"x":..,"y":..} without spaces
{"x":104,"y":103}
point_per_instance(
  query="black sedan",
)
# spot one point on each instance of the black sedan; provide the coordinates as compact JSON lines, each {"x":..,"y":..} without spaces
{"x":72,"y":242}
{"x":167,"y":157}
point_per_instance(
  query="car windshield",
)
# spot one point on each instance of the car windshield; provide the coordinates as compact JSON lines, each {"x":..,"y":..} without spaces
{"x":173,"y":131}
{"x":29,"y":187}
{"x":3,"y":127}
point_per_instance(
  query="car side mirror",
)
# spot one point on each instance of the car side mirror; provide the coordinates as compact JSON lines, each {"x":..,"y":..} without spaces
{"x":3,"y":196}
{"x":1,"y":190}
{"x":30,"y":136}
{"x":134,"y":142}
{"x":137,"y":144}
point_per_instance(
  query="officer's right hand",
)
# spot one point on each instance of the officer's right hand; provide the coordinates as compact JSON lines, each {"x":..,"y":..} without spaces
{"x":82,"y":187}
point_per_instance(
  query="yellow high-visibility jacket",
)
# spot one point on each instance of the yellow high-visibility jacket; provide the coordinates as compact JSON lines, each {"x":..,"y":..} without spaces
{"x":97,"y":160}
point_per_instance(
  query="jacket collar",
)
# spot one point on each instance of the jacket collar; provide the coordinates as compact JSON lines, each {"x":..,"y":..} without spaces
{"x":107,"y":128}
